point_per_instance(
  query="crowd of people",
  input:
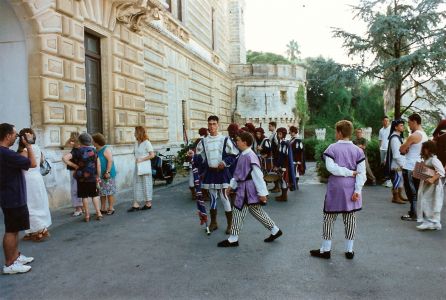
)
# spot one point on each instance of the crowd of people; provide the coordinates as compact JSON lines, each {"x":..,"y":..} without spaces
{"x":92,"y":171}
{"x":235,"y":168}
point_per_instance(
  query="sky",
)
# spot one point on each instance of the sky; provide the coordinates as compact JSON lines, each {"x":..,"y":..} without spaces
{"x":271,"y":24}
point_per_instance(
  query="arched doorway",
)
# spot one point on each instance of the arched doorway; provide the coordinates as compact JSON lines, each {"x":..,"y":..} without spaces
{"x":14,"y":100}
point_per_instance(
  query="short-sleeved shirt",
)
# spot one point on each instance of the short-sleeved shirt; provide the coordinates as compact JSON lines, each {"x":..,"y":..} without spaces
{"x":384,"y":137}
{"x":86,"y":159}
{"x":12,"y":180}
{"x":73,"y":154}
{"x":143,"y":149}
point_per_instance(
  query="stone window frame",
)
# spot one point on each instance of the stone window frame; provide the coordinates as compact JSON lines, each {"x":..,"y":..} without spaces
{"x":284,"y":96}
{"x":106,"y":79}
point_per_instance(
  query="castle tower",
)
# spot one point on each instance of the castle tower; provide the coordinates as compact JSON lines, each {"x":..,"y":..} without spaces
{"x":237,"y":32}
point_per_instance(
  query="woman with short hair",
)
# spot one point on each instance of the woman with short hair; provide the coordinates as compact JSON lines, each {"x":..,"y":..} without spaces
{"x":37,"y":197}
{"x":143,"y":184}
{"x":87,"y":170}
{"x":107,"y":185}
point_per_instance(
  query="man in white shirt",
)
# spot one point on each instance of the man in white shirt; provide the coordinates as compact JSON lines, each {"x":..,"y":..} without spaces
{"x":412,"y":150}
{"x":384,"y":144}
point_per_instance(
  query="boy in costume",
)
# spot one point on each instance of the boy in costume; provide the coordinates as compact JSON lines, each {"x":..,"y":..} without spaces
{"x":284,"y":165}
{"x":346,"y":163}
{"x":251,"y":193}
{"x":297,"y":146}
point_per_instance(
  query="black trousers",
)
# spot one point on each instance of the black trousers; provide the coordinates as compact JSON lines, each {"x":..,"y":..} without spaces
{"x":411,"y":187}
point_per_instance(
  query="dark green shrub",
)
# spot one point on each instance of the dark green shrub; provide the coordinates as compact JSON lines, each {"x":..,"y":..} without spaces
{"x":309,"y":145}
{"x":321,"y":146}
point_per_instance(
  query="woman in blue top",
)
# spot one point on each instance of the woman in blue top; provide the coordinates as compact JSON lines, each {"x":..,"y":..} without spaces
{"x":107,"y":187}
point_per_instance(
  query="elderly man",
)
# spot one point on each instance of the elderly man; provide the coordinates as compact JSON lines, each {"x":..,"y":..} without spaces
{"x":13,"y":197}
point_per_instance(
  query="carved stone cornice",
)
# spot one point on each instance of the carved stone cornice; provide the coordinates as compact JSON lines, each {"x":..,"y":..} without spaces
{"x":136,"y":13}
{"x":175,"y":27}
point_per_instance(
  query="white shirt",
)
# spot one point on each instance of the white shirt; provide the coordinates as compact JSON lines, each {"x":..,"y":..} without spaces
{"x":257,"y":177}
{"x":384,"y":138}
{"x":414,"y":154}
{"x":213,"y":146}
{"x":143,"y":149}
{"x":398,"y":160}
{"x":336,"y":170}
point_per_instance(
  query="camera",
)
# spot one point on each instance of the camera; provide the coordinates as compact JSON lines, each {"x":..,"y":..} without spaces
{"x":30,"y":140}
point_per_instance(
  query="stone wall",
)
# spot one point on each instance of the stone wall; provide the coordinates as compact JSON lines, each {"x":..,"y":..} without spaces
{"x":265,"y":93}
{"x":155,"y":70}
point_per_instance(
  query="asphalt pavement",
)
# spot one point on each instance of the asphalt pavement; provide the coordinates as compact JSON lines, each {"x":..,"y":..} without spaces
{"x":163,"y":253}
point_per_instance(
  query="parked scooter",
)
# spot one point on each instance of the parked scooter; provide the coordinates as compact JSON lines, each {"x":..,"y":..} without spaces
{"x":163,"y":167}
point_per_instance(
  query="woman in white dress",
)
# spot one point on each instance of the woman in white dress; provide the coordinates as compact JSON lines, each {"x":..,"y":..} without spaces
{"x":143,"y":184}
{"x":37,"y":197}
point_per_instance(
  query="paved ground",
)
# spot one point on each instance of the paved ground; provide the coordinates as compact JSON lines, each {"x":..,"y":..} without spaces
{"x":164,"y":254}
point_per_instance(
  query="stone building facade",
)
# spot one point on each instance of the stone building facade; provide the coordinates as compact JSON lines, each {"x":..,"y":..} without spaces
{"x":265,"y":93}
{"x":110,"y":65}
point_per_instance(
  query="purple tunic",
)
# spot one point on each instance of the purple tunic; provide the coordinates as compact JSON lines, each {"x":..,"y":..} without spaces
{"x":340,"y":189}
{"x":246,"y":190}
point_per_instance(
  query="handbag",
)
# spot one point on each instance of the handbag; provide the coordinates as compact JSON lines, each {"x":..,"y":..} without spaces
{"x":422,"y":172}
{"x":144,"y":168}
{"x":45,"y":167}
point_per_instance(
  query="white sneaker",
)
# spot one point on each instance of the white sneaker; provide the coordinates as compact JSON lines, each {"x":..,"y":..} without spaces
{"x":77,"y":214}
{"x":388,"y":183}
{"x":22,"y":259}
{"x":15,"y":268}
{"x":436,"y":226}
{"x":424,"y":226}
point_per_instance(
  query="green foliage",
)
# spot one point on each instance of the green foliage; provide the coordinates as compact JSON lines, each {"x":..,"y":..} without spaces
{"x":293,"y":51}
{"x":255,"y":57}
{"x":321,"y":146}
{"x":334,"y":92}
{"x":309,"y":146}
{"x":407,"y":44}
{"x":373,"y":156}
{"x":301,"y":109}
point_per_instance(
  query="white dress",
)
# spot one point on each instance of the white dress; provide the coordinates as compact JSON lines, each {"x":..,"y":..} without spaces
{"x":143,"y":184}
{"x":37,"y":197}
{"x":430,"y":196}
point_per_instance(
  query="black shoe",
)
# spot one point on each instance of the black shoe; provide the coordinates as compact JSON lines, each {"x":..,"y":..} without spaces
{"x":409,"y":217}
{"x":132,"y":209}
{"x":349,"y":255}
{"x":272,"y":237}
{"x":145,"y":207}
{"x":227,"y":243}
{"x":317,"y":253}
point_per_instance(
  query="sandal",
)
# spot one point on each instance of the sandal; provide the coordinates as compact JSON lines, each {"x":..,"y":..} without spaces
{"x":103,"y":211}
{"x":99,"y":218}
{"x":28,"y":237}
{"x":408,"y":218}
{"x":87,"y":219}
{"x":110,"y":212}
{"x":145,"y":207}
{"x":132,"y":209}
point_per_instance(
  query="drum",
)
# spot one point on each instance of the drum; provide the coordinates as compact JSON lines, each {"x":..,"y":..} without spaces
{"x":271,"y":177}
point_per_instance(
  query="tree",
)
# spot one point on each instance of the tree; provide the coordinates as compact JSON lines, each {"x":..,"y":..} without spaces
{"x":255,"y":57}
{"x":301,"y":110}
{"x":406,"y":39}
{"x":293,"y":51}
{"x":326,"y":77}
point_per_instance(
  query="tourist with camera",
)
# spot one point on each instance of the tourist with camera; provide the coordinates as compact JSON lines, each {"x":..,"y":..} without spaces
{"x":13,"y":197}
{"x":37,"y":197}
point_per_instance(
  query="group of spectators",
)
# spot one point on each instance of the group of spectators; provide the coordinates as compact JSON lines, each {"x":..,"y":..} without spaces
{"x":407,"y":163}
{"x":23,"y":196}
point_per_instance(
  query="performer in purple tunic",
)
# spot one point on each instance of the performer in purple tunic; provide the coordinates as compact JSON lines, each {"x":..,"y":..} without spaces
{"x":251,"y":193}
{"x":346,"y":163}
{"x":214,"y":156}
